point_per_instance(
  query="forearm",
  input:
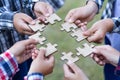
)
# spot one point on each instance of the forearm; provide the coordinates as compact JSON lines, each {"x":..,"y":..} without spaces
{"x":112,"y":25}
{"x":8,"y":66}
{"x":97,"y":4}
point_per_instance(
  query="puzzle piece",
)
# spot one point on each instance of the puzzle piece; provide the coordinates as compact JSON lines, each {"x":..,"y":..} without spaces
{"x":78,"y":33}
{"x":68,"y":26}
{"x":86,"y":50}
{"x":38,"y":38}
{"x":37,"y":26}
{"x":68,"y":56}
{"x":52,"y":19}
{"x":50,"y":49}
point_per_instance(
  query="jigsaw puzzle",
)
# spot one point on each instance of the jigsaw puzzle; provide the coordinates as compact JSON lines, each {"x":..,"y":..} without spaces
{"x":54,"y":17}
{"x":38,"y":26}
{"x":50,"y":49}
{"x":37,"y":37}
{"x":68,"y":26}
{"x":78,"y":34}
{"x":68,"y":56}
{"x":86,"y":50}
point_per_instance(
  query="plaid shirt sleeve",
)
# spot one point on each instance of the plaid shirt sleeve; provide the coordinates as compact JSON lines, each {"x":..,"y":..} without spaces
{"x":34,"y":76}
{"x":56,"y":4}
{"x":98,"y":2}
{"x":6,"y":18}
{"x":117,"y":70}
{"x":116,"y":27}
{"x":8,"y":66}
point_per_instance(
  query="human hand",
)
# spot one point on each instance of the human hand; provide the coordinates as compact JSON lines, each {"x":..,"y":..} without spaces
{"x":73,"y":72}
{"x":82,"y":14}
{"x":22,"y":50}
{"x":21,"y":22}
{"x":42,"y":64}
{"x":42,"y":9}
{"x":105,"y":54}
{"x":98,"y":30}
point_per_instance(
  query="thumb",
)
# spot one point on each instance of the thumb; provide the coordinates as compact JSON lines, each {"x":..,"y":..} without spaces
{"x":96,"y":50}
{"x":67,"y":71}
{"x":99,"y":50}
{"x":30,"y":41}
{"x":41,"y":54}
{"x":78,"y":71}
{"x":51,"y":59}
{"x":74,"y":67}
{"x":69,"y":15}
{"x":88,"y":32}
{"x":73,"y":18}
{"x":50,"y":9}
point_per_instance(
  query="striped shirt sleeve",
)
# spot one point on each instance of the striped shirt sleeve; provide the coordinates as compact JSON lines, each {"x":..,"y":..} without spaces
{"x":116,"y":28}
{"x":34,"y":76}
{"x":117,"y":70}
{"x":8,"y":66}
{"x":6,"y":19}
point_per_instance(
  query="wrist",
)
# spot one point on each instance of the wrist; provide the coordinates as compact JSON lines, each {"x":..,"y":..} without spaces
{"x":93,"y":6}
{"x":33,"y":70}
{"x":11,"y":50}
{"x":109,"y":23}
{"x":13,"y":54}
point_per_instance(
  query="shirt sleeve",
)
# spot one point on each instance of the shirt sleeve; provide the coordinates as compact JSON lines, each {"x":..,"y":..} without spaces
{"x":117,"y":70}
{"x":34,"y":76}
{"x":6,"y":18}
{"x":8,"y":66}
{"x":98,"y":2}
{"x":116,"y":28}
